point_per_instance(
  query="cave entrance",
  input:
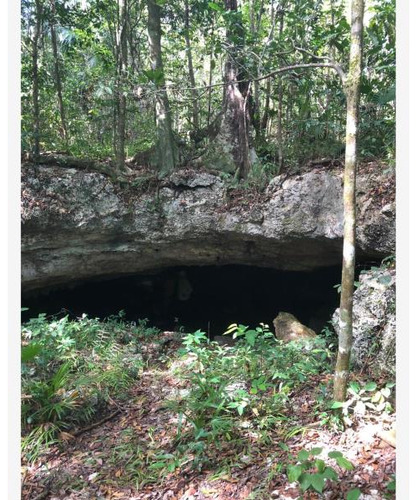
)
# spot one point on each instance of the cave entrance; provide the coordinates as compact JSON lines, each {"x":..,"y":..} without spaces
{"x":208,"y":298}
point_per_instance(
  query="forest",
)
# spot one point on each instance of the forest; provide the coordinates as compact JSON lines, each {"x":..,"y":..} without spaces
{"x":208,"y":249}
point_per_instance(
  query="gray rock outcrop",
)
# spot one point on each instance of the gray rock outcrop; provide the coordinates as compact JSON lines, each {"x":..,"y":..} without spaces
{"x":79,"y":225}
{"x":373,"y":321}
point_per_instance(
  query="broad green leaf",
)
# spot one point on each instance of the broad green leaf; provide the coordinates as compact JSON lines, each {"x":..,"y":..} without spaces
{"x":305,"y":481}
{"x":214,"y":6}
{"x":294,"y":472}
{"x":337,"y":404}
{"x":353,"y":494}
{"x":330,"y":473}
{"x":303,"y":455}
{"x":355,"y":387}
{"x":317,"y":482}
{"x":320,"y":465}
{"x":250,"y":337}
{"x":334,"y":454}
{"x":344,"y":463}
{"x":316,"y":451}
{"x":370,"y":386}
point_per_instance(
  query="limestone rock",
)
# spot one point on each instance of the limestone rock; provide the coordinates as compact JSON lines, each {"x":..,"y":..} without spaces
{"x":288,"y":328}
{"x":374,"y":330}
{"x":79,"y":225}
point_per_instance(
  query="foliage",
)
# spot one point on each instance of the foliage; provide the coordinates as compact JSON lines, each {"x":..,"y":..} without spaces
{"x":72,"y":369}
{"x":234,"y":390}
{"x":365,"y":399}
{"x":309,"y":103}
{"x":312,"y":473}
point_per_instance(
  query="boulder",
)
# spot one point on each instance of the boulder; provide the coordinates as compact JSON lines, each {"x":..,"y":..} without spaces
{"x":288,"y":328}
{"x":374,"y":330}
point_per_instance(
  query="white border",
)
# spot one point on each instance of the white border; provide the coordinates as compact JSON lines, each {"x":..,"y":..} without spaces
{"x":406,"y":205}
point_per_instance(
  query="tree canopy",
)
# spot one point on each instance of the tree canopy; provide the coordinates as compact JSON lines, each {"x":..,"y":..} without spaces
{"x":94,"y":83}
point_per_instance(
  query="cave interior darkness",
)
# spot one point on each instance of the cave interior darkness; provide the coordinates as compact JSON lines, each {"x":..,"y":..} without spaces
{"x":209,"y":298}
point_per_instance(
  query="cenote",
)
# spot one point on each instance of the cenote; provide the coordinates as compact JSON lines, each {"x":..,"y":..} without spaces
{"x":205,"y":297}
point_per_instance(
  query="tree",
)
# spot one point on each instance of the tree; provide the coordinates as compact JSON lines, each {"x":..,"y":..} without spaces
{"x":166,"y":150}
{"x":39,"y":12}
{"x":57,"y":71}
{"x":121,"y":81}
{"x":352,"y":90}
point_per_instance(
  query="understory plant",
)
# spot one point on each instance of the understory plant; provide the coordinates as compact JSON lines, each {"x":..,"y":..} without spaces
{"x":365,"y":399}
{"x":71,"y":370}
{"x":312,"y":473}
{"x":234,"y":392}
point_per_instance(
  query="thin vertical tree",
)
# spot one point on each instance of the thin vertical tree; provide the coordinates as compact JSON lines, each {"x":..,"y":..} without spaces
{"x":57,"y":71}
{"x":191,"y":76}
{"x":352,"y":90}
{"x":166,"y":151}
{"x":39,"y":11}
{"x":121,"y":81}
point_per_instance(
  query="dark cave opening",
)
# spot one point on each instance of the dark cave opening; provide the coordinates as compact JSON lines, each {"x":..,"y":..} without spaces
{"x":209,"y":298}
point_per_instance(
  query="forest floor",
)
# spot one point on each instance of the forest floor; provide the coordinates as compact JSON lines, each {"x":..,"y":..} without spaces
{"x":131,"y":453}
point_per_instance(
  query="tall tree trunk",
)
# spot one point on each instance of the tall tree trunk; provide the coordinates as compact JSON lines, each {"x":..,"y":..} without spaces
{"x":212,"y":63}
{"x":35,"y":75}
{"x":351,"y":159}
{"x":191,"y":76}
{"x":121,"y":61}
{"x":166,"y":151}
{"x":280,"y":96}
{"x":58,"y":83}
{"x":236,"y":119}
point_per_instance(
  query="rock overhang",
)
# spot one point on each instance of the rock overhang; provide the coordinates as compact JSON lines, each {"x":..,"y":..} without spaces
{"x":81,"y":226}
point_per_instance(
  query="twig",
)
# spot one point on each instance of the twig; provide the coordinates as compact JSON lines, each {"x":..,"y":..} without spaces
{"x":97,"y":424}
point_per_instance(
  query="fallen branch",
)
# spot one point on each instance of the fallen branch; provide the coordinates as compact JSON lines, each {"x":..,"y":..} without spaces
{"x":66,"y":161}
{"x":97,"y":424}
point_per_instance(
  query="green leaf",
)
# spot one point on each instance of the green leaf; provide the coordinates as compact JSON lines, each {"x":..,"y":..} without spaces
{"x":344,"y":463}
{"x":330,"y":473}
{"x":303,"y":455}
{"x":355,"y":387}
{"x":316,"y":451}
{"x":29,"y":352}
{"x":337,"y":404}
{"x":214,"y":6}
{"x":353,"y":494}
{"x":294,"y":472}
{"x":320,"y":465}
{"x":370,"y":386}
{"x":305,"y":481}
{"x":334,"y":454}
{"x":317,"y":482}
{"x":283,"y":446}
{"x":250,"y":337}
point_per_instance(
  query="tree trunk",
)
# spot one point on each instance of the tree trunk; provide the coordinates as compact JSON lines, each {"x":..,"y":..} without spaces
{"x":35,"y":75}
{"x":194,"y":94}
{"x":121,"y":61}
{"x":58,"y":83}
{"x":236,"y":113}
{"x":351,"y":159}
{"x":279,"y":109}
{"x":166,"y":153}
